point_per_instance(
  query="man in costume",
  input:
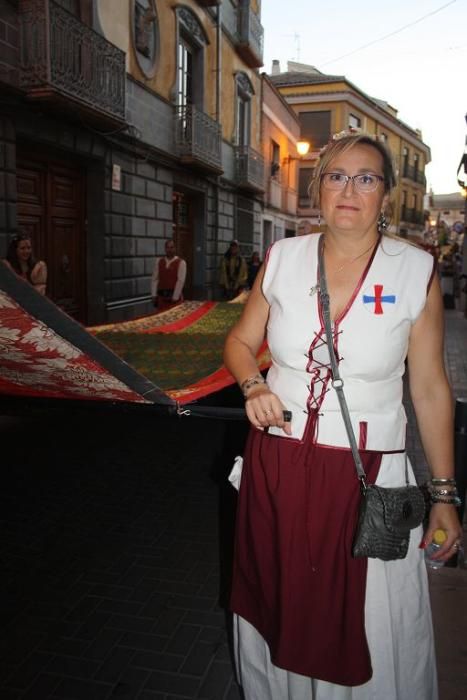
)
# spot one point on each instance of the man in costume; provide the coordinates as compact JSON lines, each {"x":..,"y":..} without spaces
{"x":168,"y":278}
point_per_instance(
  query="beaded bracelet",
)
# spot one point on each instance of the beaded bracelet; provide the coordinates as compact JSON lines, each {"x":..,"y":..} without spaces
{"x":251,"y":381}
{"x":444,"y":490}
{"x":453,"y":500}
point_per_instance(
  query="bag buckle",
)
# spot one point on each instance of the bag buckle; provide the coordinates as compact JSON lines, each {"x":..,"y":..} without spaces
{"x":363,"y":485}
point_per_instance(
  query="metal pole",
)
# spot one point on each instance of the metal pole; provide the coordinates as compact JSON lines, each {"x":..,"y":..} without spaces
{"x":460,"y":451}
{"x":460,"y":461}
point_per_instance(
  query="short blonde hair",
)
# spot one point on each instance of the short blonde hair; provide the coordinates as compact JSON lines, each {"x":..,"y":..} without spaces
{"x":343,"y":143}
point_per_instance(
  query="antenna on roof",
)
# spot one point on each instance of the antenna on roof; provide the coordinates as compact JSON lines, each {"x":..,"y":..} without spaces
{"x":296,"y":37}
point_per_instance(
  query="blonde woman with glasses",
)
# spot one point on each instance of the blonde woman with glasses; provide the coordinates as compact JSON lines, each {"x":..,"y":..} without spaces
{"x":312,"y":622}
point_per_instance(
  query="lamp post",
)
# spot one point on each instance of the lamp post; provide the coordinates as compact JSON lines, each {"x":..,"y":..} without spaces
{"x":463,"y":185}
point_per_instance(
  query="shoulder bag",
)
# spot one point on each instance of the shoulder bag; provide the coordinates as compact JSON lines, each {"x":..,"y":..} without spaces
{"x":386,"y":515}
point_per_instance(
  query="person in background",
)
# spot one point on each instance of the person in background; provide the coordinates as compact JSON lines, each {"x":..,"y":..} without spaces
{"x":233,"y":274}
{"x":20,"y":258}
{"x":253,"y":269}
{"x":168,"y":278}
{"x":312,"y":622}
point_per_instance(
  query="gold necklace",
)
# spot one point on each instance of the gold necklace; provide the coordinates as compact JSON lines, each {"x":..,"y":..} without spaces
{"x":357,"y":257}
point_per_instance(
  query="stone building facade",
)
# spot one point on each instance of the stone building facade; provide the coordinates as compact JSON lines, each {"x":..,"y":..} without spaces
{"x":122,"y":125}
{"x":328,"y":104}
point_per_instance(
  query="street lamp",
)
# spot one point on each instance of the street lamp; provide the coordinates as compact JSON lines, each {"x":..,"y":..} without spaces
{"x":303,"y":147}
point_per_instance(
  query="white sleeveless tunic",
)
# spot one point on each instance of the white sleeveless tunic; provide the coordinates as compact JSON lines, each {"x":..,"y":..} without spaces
{"x":372,"y":337}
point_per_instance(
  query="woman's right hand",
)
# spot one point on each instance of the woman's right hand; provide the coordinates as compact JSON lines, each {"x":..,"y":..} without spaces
{"x":265,"y":409}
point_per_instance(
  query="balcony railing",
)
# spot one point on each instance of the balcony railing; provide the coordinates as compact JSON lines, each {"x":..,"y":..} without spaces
{"x":411,"y":216}
{"x":250,"y":35}
{"x":249,"y":171}
{"x":198,"y":139}
{"x":408,"y":172}
{"x":420,"y":177}
{"x":62,"y":57}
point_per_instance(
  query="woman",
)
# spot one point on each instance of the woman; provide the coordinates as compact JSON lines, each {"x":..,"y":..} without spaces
{"x":233,"y":272}
{"x":21,"y":260}
{"x":311,"y":622}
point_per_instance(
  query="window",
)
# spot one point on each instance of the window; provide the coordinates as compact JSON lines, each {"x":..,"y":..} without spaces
{"x":244,"y":224}
{"x":305,"y":176}
{"x":185,"y":74}
{"x":383,"y":138}
{"x":404,"y":205}
{"x":244,"y":91}
{"x":190,"y":60}
{"x":416,"y":159}
{"x":354,"y":122}
{"x":275,"y":158}
{"x":405,"y":161}
{"x":315,"y":127}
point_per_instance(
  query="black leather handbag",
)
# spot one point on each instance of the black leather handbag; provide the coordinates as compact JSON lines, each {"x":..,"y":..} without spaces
{"x":386,"y":515}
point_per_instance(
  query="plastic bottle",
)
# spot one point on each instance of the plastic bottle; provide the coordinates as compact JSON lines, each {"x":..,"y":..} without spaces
{"x":439,"y":537}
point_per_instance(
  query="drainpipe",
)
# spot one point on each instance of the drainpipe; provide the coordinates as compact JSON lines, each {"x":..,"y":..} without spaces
{"x":218,"y":62}
{"x":218,"y":120}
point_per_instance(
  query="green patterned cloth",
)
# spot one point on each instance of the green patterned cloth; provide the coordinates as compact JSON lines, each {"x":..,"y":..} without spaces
{"x":176,"y":360}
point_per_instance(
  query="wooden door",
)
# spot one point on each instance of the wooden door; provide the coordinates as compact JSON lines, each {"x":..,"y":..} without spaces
{"x":183,"y":236}
{"x":51,"y":210}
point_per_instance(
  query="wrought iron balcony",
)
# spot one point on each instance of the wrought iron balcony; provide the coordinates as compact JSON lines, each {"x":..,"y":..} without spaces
{"x":408,"y":172}
{"x":418,"y":217}
{"x":63,"y":58}
{"x":250,"y":35}
{"x":198,"y":139}
{"x":407,"y":214}
{"x":420,"y":177}
{"x":249,"y":171}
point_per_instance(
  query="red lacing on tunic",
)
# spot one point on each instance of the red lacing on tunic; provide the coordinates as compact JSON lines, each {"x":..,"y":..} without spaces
{"x":321,"y":373}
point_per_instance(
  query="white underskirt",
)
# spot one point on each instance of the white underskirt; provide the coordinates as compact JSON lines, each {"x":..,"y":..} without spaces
{"x":398,"y":627}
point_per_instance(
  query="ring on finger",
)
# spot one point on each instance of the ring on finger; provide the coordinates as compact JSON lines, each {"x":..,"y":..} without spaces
{"x":456,"y":545}
{"x":268,"y":412}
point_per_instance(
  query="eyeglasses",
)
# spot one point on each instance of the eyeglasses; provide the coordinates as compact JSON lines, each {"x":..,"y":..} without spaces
{"x":367,"y":182}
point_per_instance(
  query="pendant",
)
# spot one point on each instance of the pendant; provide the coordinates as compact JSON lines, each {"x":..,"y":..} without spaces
{"x":314,"y":289}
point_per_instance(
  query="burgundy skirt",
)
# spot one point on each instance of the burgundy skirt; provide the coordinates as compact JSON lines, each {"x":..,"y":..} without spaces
{"x":294,"y":577}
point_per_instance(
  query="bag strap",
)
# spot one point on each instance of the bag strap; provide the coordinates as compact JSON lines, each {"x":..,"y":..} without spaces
{"x":337,"y":381}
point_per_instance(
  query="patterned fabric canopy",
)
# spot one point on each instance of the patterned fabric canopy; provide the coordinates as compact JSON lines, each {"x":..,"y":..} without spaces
{"x":169,"y":358}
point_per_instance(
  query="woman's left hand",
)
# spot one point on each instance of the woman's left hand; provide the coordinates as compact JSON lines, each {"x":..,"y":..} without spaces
{"x":444,"y":517}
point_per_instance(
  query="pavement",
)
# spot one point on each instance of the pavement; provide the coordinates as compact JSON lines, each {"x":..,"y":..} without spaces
{"x":115,"y":549}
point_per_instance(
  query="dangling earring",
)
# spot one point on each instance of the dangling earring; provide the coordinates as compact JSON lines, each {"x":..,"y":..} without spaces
{"x":319,"y":219}
{"x":382,"y":223}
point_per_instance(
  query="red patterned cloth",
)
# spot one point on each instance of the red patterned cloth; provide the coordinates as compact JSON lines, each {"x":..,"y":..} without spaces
{"x":37,"y":361}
